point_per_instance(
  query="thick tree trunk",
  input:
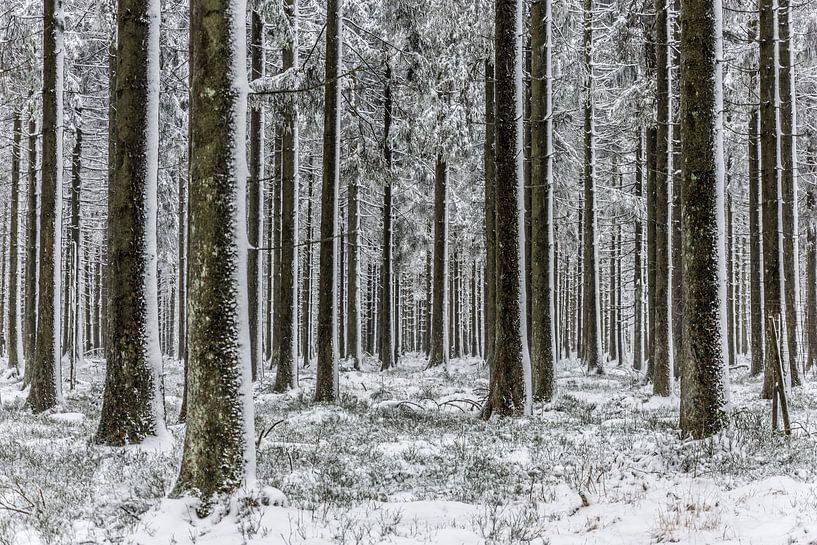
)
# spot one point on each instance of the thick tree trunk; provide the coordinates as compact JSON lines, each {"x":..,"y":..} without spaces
{"x":542,"y":334}
{"x":755,"y":248}
{"x":438,"y":352}
{"x":327,"y":387}
{"x":306,"y":294}
{"x":638,"y":274}
{"x":650,"y":149}
{"x":354,"y":350}
{"x":510,"y":384}
{"x":219,"y":447}
{"x":286,"y":376}
{"x":132,"y":405}
{"x":704,"y":379}
{"x":46,"y":379}
{"x":74,"y":289}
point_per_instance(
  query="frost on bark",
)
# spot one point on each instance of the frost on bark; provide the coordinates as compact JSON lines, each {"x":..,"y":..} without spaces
{"x":489,"y":160}
{"x":15,"y":345}
{"x":354,"y":349}
{"x":771,"y":192}
{"x":255,"y":198}
{"x":662,"y":345}
{"x":46,"y":380}
{"x":132,"y":405}
{"x":509,"y":391}
{"x":219,"y":448}
{"x":32,"y":236}
{"x":542,"y":334}
{"x":327,"y":386}
{"x":438,"y":350}
{"x":704,"y":377}
{"x":286,"y":376}
{"x":788,"y":181}
{"x":591,"y":337}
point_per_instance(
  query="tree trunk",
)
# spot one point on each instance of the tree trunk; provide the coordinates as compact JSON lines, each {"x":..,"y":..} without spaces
{"x":387,"y":290}
{"x":755,"y":248}
{"x":327,"y":387}
{"x":788,"y":179}
{"x":704,"y":378}
{"x":286,"y":376}
{"x":75,"y":287}
{"x":772,"y":227}
{"x":592,"y":334}
{"x":489,"y":165}
{"x":306,"y":294}
{"x":219,"y":447}
{"x":651,"y":144}
{"x":15,"y":344}
{"x":438,"y":353}
{"x":32,"y":243}
{"x":133,"y":404}
{"x":638,"y":273}
{"x":510,"y":384}
{"x":255,"y":197}
{"x":542,"y":342}
{"x":46,"y":379}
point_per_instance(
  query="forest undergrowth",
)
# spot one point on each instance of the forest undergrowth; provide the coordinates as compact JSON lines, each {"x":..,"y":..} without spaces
{"x":404,"y":458}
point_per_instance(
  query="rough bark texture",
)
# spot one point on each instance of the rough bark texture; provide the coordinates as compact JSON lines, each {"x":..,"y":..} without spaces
{"x":438,"y":352}
{"x":354,"y":350}
{"x":255,"y":198}
{"x":788,"y":180}
{"x":510,"y":384}
{"x":387,"y":291}
{"x":132,"y":405}
{"x":286,"y":376}
{"x":662,"y":344}
{"x":650,"y":146}
{"x":15,"y":346}
{"x":327,"y":383}
{"x":593,"y":353}
{"x":772,"y":226}
{"x":489,"y":165}
{"x":219,"y":447}
{"x":638,"y":274}
{"x":32,"y":239}
{"x":46,"y":380}
{"x":542,"y":335}
{"x":704,"y":378}
{"x":306,"y":294}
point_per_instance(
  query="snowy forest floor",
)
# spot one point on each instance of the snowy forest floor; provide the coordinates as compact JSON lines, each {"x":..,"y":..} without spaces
{"x":405,"y":459}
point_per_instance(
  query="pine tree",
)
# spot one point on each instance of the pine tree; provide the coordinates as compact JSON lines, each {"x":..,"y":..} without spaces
{"x":15,"y":345}
{"x":439,"y":347}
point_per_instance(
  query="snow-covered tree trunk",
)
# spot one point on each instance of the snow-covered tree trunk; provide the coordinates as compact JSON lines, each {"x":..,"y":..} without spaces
{"x":327,"y":385}
{"x":219,"y":447}
{"x":15,"y":345}
{"x":788,"y":179}
{"x":704,"y":378}
{"x":133,"y":406}
{"x":662,"y":346}
{"x":306,"y":294}
{"x":32,"y":243}
{"x":387,"y":291}
{"x":286,"y":376}
{"x":354,"y":349}
{"x":489,"y":166}
{"x":438,"y":350}
{"x":255,"y":198}
{"x":593,"y":353}
{"x":510,"y":384}
{"x":638,"y":273}
{"x":772,"y":225}
{"x":543,"y":346}
{"x":46,"y":379}
{"x":755,"y":248}
{"x":649,"y":152}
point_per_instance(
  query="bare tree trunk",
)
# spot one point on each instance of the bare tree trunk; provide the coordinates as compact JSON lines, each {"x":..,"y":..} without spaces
{"x":327,"y":387}
{"x":704,"y":379}
{"x":510,"y":384}
{"x":46,"y":379}
{"x":133,"y":404}
{"x":387,"y":289}
{"x":755,"y":247}
{"x":32,"y":243}
{"x":15,"y":344}
{"x":638,"y":273}
{"x":489,"y":165}
{"x":219,"y":448}
{"x":438,"y":353}
{"x":306,"y":294}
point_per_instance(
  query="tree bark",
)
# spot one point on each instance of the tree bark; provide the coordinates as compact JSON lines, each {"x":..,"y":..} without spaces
{"x":438,"y":353}
{"x":219,"y":444}
{"x":32,"y":243}
{"x":489,"y":166}
{"x":13,"y":326}
{"x":755,"y":247}
{"x":704,"y":378}
{"x":638,"y":273}
{"x":327,"y":387}
{"x":387,"y":293}
{"x":510,"y":384}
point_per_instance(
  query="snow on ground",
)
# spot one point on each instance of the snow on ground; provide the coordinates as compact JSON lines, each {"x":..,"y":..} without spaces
{"x":404,"y":459}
